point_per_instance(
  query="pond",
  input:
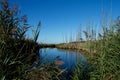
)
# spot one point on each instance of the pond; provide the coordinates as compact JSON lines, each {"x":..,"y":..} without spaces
{"x":69,"y":58}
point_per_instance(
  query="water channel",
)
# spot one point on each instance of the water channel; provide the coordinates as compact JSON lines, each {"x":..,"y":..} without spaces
{"x":69,"y":58}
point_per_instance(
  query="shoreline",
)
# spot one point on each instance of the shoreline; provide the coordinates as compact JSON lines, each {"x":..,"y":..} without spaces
{"x":75,"y":46}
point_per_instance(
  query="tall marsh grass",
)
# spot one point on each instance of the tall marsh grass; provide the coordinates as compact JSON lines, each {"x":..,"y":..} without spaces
{"x":17,"y":53}
{"x":105,"y":53}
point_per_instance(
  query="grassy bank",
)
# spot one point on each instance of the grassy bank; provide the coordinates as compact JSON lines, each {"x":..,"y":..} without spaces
{"x":78,"y":46}
{"x":73,"y":46}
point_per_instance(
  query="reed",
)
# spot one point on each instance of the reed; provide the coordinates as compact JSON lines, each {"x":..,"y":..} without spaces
{"x":18,"y":53}
{"x":105,"y":55}
{"x":14,"y":48}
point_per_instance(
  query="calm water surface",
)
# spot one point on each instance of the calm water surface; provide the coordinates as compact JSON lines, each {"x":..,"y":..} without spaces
{"x":69,"y":58}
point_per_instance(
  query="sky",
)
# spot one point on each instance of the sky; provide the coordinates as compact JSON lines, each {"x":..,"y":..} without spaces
{"x":61,"y":18}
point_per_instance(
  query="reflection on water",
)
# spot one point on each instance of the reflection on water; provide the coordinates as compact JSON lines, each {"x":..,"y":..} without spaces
{"x":69,"y":58}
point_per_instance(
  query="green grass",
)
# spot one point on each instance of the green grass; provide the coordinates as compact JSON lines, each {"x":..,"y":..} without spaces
{"x":17,"y":53}
{"x":14,"y":48}
{"x":104,"y":57}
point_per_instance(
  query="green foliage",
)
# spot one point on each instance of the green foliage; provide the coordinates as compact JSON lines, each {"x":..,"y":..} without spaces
{"x":14,"y":48}
{"x":82,"y":71}
{"x":17,"y":53}
{"x":106,"y":59}
{"x":107,"y":64}
{"x":104,"y":56}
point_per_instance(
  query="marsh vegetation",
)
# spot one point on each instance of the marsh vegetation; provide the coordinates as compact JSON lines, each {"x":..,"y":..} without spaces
{"x":18,"y":53}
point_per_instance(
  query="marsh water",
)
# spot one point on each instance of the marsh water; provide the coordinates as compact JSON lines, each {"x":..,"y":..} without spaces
{"x":70,"y":58}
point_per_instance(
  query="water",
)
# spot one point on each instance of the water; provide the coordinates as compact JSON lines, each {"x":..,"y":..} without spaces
{"x":69,"y":58}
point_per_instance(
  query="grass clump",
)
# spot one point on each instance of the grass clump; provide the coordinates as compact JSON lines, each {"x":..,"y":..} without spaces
{"x":104,"y":56}
{"x":14,"y":48}
{"x":17,"y":53}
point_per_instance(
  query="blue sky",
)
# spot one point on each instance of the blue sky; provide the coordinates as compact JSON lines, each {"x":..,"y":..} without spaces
{"x":60,"y":18}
